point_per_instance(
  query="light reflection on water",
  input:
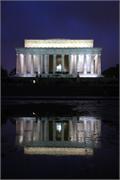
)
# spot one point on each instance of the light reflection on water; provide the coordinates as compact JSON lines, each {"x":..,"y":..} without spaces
{"x":75,"y":135}
{"x":59,"y":141}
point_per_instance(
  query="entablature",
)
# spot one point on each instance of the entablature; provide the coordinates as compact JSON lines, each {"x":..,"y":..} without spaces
{"x":59,"y":51}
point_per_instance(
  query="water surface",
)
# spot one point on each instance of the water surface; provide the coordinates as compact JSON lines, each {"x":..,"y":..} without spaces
{"x":78,"y":139}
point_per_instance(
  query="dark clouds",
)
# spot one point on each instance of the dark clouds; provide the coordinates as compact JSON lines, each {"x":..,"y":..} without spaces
{"x":80,"y":20}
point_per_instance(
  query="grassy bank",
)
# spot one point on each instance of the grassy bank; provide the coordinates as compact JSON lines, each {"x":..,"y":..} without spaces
{"x":60,"y":87}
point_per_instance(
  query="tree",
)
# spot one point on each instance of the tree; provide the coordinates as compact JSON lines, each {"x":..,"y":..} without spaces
{"x":4,"y":73}
{"x":112,"y":72}
{"x":13,"y":72}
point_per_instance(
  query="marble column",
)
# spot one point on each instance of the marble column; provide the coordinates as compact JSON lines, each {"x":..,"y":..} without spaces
{"x":54,"y":131}
{"x":96,"y":63}
{"x":70,"y":131}
{"x":36,"y":127}
{"x":45,"y":130}
{"x":85,"y":125}
{"x":88,"y":63}
{"x":80,"y":64}
{"x":99,"y":64}
{"x":92,"y":126}
{"x":75,"y":64}
{"x":28,"y":130}
{"x":25,"y":65}
{"x":85,"y":64}
{"x":62,"y":57}
{"x":19,"y":131}
{"x":44,"y":59}
{"x":41,"y":130}
{"x":39,"y":64}
{"x":62,"y":128}
{"x":54,"y":63}
{"x":22,"y":67}
{"x":70,"y":63}
{"x":92,"y":64}
{"x":36,"y":63}
{"x":74,"y":131}
{"x":46,"y":63}
{"x":32,"y":64}
{"x":99,"y":127}
{"x":28,"y":64}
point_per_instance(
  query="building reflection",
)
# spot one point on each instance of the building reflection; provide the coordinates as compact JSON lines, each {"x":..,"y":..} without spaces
{"x":58,"y":132}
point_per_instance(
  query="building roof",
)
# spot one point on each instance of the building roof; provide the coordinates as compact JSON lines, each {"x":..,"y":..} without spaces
{"x":58,"y":43}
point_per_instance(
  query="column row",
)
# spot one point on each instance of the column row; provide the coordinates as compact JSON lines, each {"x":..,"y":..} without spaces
{"x":29,"y":64}
{"x":85,"y":64}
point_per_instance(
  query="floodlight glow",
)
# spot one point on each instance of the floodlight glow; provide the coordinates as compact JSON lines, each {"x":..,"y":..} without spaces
{"x":34,"y":81}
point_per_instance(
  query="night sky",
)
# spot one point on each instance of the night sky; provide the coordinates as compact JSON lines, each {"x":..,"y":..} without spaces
{"x":72,"y":20}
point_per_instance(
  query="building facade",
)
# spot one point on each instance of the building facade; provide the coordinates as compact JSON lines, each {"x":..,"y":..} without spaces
{"x":58,"y":57}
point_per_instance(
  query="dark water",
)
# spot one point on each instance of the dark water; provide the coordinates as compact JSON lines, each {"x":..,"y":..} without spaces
{"x":77,"y":139}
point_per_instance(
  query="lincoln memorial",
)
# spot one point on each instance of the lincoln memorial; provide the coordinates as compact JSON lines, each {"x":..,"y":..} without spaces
{"x":58,"y":57}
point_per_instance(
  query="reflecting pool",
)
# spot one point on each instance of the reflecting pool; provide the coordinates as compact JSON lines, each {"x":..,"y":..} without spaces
{"x":74,"y":140}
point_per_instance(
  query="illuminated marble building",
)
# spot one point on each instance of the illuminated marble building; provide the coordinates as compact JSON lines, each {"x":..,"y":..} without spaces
{"x":58,"y":132}
{"x":58,"y":57}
